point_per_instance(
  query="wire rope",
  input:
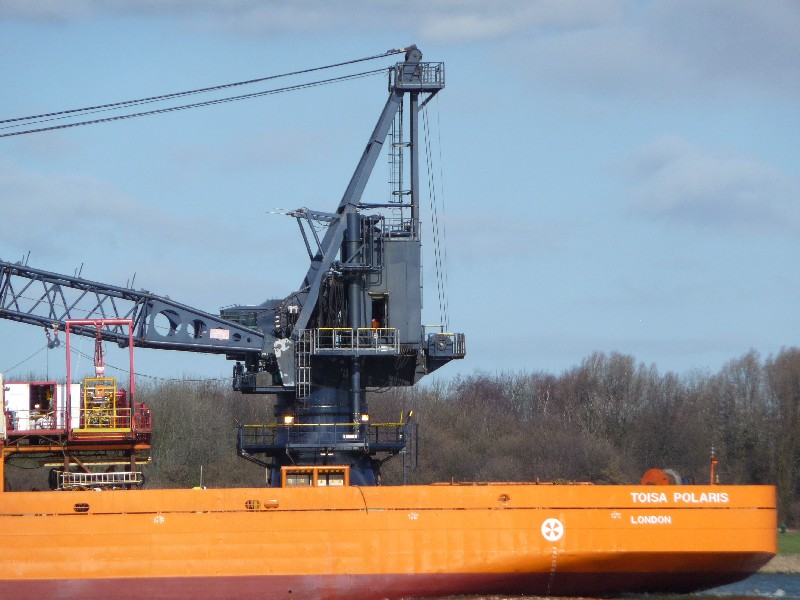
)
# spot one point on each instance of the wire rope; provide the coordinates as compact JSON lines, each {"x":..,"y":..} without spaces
{"x":22,"y":362}
{"x":126,"y":371}
{"x":198,"y":104}
{"x":437,"y":238}
{"x":199,"y":90}
{"x":444,"y":212}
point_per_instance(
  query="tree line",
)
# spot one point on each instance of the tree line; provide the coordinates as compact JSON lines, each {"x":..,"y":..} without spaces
{"x":606,"y":420}
{"x":610,"y":419}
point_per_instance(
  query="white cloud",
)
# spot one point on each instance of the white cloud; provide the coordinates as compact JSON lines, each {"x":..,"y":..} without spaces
{"x":674,"y":179}
{"x":45,"y":10}
{"x":78,"y":215}
{"x":439,"y":20}
{"x":663,"y":50}
{"x":69,"y":220}
{"x":40,"y":211}
{"x":454,"y":21}
{"x":657,"y":49}
{"x":750,"y":43}
{"x":501,"y":237}
{"x":254,"y":151}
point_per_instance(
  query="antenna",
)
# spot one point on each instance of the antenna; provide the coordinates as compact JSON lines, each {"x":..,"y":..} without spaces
{"x":714,"y":461}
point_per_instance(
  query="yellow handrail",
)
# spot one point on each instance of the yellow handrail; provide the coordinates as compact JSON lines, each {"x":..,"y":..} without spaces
{"x":346,"y":424}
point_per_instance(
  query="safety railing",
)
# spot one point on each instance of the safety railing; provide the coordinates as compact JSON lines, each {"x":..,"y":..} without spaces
{"x":447,"y":345}
{"x":33,"y":420}
{"x":401,"y":227}
{"x":321,"y":434}
{"x":105,"y":418}
{"x":142,"y":418}
{"x":363,"y":340}
{"x":427,"y":76}
{"x":18,"y":422}
{"x":68,"y":480}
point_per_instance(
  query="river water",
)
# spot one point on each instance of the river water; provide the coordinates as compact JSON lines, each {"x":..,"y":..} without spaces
{"x":760,"y":585}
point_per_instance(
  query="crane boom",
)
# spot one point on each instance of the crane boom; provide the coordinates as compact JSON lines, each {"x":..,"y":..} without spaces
{"x":407,"y":75}
{"x":48,"y":299}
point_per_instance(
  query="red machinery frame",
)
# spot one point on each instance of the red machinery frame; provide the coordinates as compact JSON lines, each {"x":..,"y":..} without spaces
{"x":98,"y":324}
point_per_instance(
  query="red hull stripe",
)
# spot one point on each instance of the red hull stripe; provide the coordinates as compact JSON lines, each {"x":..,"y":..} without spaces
{"x":363,"y":587}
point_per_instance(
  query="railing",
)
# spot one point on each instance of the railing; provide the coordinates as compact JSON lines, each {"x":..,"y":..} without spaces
{"x":68,"y":480}
{"x":321,"y":434}
{"x":105,"y":418}
{"x":142,"y":418}
{"x":363,"y":340}
{"x":401,"y":227}
{"x":447,"y":345}
{"x":94,"y":419}
{"x":428,"y":76}
{"x":34,"y":420}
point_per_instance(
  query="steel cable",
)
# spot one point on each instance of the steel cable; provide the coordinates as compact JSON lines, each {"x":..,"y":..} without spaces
{"x":150,"y":99}
{"x":437,"y":237}
{"x":195,"y":105}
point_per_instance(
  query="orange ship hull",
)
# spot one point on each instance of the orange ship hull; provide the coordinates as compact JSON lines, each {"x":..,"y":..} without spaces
{"x":383,"y":542}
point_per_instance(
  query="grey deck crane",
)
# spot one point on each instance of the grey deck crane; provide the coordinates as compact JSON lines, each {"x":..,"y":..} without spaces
{"x":354,"y":323}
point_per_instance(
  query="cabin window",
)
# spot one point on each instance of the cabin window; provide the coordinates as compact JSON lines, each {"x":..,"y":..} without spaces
{"x":323,"y":476}
{"x":298,"y":479}
{"x":330,"y":479}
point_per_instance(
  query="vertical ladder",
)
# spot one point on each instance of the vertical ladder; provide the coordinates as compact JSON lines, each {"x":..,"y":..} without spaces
{"x":397,"y":160}
{"x":303,"y":365}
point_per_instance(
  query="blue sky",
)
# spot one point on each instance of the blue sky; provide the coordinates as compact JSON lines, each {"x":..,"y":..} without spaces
{"x":616,"y":176}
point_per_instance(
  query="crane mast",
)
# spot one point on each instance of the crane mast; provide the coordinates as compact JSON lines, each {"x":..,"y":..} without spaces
{"x":354,"y":323}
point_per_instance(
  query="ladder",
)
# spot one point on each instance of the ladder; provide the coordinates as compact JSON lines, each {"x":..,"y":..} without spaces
{"x":397,"y":192}
{"x":303,"y":365}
